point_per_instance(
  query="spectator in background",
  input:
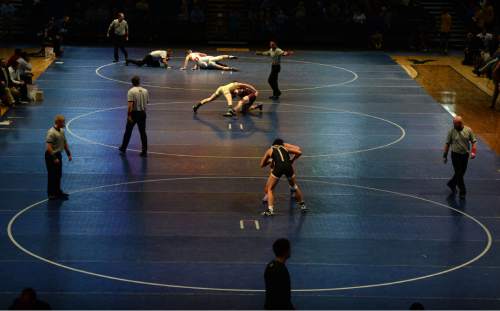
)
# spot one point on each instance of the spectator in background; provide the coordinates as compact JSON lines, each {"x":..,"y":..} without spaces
{"x":479,"y":17}
{"x":118,"y":29}
{"x":7,"y":9}
{"x":445,"y":29}
{"x":10,"y":94}
{"x":5,"y":94}
{"x":28,"y":300}
{"x":486,"y":39}
{"x":17,"y":83}
{"x":488,"y":15}
{"x":25,"y":68}
{"x":14,"y":57}
{"x":61,"y":29}
{"x":300,"y":15}
{"x":197,"y":16}
{"x":277,"y":278}
{"x":472,"y":49}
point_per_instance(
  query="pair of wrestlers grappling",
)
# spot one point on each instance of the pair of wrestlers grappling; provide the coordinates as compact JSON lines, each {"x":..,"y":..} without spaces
{"x":280,"y":156}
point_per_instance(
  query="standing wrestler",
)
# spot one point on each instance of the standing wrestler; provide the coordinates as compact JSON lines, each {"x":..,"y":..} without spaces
{"x":279,"y":157}
{"x":275,"y":53}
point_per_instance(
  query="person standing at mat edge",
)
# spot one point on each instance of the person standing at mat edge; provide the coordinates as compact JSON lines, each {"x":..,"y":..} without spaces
{"x":56,"y":144}
{"x":277,"y":278}
{"x":118,"y":29}
{"x":138,"y":98}
{"x":275,"y":53}
{"x":459,"y":140}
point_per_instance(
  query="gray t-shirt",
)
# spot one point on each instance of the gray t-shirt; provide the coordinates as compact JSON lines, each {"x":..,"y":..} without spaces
{"x":139,"y":96}
{"x":57,"y":139}
{"x":460,"y":141}
{"x":118,"y":28}
{"x":275,"y":55}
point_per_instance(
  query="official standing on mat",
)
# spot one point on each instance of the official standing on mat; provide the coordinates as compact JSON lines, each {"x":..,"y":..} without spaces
{"x":275,"y":53}
{"x":462,"y":142}
{"x":138,"y":98}
{"x":277,"y":278}
{"x":118,"y":29}
{"x":55,"y":144}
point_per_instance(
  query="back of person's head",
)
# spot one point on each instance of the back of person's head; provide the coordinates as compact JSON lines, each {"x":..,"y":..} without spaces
{"x":417,"y":306}
{"x":278,"y":142}
{"x":281,"y":247}
{"x":28,"y":294}
{"x":136,"y":81}
{"x":189,"y":52}
{"x":18,"y":51}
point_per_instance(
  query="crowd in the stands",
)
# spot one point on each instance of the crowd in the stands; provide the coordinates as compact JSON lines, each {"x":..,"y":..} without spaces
{"x":482,"y":43}
{"x":361,"y":23}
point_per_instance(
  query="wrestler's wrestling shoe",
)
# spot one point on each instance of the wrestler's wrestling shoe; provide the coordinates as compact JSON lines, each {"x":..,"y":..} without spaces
{"x":196,"y":107}
{"x":230,"y":113}
{"x":267,"y":212}
{"x":233,"y":57}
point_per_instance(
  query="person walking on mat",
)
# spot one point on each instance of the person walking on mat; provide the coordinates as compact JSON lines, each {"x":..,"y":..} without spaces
{"x":275,"y":53}
{"x":462,"y":142}
{"x":118,"y":29}
{"x":138,"y":98}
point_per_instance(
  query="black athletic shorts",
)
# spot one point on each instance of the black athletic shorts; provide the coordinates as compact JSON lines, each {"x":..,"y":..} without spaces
{"x":283,"y":169}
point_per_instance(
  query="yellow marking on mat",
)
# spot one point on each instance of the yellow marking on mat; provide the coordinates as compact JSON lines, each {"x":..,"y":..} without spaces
{"x":233,"y":50}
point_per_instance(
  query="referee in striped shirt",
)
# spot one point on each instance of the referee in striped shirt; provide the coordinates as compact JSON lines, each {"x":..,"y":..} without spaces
{"x":138,"y":98}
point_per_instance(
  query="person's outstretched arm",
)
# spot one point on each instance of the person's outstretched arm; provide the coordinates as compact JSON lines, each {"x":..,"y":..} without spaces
{"x":186,"y":62}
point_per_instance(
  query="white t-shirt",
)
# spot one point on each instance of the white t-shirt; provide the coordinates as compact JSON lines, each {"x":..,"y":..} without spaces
{"x":139,"y":96}
{"x":159,"y":54}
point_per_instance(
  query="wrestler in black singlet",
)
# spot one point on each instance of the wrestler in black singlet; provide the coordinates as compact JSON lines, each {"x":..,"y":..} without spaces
{"x":282,"y":162}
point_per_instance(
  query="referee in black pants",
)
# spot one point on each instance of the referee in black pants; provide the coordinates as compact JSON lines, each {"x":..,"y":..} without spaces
{"x":275,"y":53}
{"x":56,"y":144}
{"x":119,"y":31}
{"x":138,"y":98}
{"x":462,"y":142}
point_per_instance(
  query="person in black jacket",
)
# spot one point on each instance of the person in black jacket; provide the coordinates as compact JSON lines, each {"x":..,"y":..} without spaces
{"x":277,"y":278}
